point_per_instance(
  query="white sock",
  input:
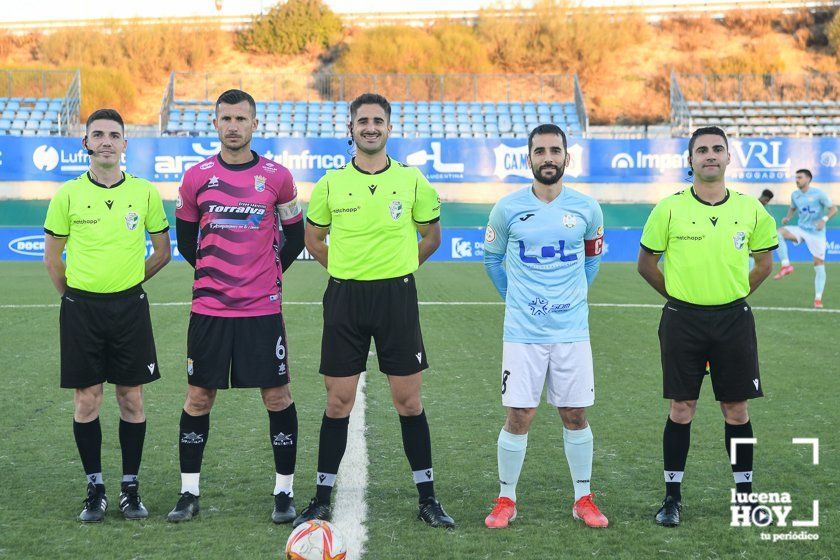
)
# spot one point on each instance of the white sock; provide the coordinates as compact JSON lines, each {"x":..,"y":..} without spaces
{"x":189,"y":482}
{"x":283,"y":483}
{"x":578,"y":446}
{"x":129,"y":478}
{"x":511,"y":454}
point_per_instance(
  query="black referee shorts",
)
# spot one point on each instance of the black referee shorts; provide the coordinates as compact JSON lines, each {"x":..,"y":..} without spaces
{"x":387,"y":310}
{"x":237,"y":352}
{"x":106,"y":337}
{"x":724,"y":336}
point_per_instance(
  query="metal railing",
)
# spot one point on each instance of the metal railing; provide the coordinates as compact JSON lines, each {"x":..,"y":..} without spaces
{"x":759,"y":87}
{"x":56,"y":84}
{"x":652,"y":10}
{"x":680,"y":114}
{"x":71,"y":109}
{"x":205,"y":88}
{"x":580,"y":106}
{"x":396,"y":87}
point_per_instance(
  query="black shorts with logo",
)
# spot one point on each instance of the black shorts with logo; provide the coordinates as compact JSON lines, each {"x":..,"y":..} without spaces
{"x":387,"y":310}
{"x":106,"y":337}
{"x":691,"y":335}
{"x":227,"y":352}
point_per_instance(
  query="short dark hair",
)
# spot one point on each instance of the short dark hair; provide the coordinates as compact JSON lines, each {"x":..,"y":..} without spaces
{"x":806,"y":172}
{"x":234,"y":96}
{"x":546,"y":129}
{"x":370,"y":99}
{"x":767,"y":193}
{"x":105,"y":115}
{"x":716,"y":130}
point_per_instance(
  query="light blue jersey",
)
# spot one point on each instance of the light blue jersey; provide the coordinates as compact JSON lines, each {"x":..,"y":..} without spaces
{"x":811,"y":206}
{"x":545,"y":246}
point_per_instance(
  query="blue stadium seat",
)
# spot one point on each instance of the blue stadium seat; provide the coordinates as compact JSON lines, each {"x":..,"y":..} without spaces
{"x":423,"y":118}
{"x":13,"y":104}
{"x":55,"y":105}
{"x":529,"y":108}
{"x":436,"y":128}
{"x":515,"y":109}
{"x":435,"y":108}
{"x":41,"y":106}
{"x":23,"y":114}
{"x":448,"y":108}
{"x":422,"y":108}
{"x":298,"y":126}
{"x":462,"y":128}
{"x":285,"y":117}
{"x":424,"y":130}
{"x":272,"y":127}
{"x":491,"y":129}
{"x":5,"y":124}
{"x":188,"y":116}
{"x":18,"y":124}
{"x":450,"y":128}
{"x":8,"y":114}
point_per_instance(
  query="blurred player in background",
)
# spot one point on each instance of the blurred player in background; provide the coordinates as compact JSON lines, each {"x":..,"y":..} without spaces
{"x":239,"y":225}
{"x":551,"y":238}
{"x":102,"y":217}
{"x":814,"y":209}
{"x":707,"y":233}
{"x":764,"y":199}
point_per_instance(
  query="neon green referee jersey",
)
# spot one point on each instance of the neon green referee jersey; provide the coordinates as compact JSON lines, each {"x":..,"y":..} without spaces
{"x":106,"y":230}
{"x":707,"y":247}
{"x":371,"y":217}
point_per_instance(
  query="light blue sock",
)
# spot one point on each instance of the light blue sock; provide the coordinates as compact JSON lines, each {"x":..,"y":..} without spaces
{"x":511,"y":454}
{"x":578,"y":445}
{"x":782,"y":251}
{"x":819,"y":281}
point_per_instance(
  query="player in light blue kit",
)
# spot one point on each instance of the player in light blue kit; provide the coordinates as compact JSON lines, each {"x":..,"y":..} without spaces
{"x":815,"y":209}
{"x":550,"y":239}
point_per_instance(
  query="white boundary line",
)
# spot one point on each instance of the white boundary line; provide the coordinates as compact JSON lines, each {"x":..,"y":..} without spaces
{"x":350,"y":509}
{"x":479,"y":303}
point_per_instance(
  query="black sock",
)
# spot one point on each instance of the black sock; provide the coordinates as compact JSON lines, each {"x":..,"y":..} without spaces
{"x":89,"y":442}
{"x":191,"y":442}
{"x":283,"y":428}
{"x":742,"y":470}
{"x":132,"y":436}
{"x":417,"y":443}
{"x":675,"y":443}
{"x":331,"y":448}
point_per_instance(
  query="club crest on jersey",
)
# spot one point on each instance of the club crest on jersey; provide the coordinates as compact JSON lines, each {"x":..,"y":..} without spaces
{"x":213,"y":182}
{"x":396,"y":209}
{"x":179,"y":202}
{"x":490,"y":234}
{"x":569,"y":221}
{"x":131,"y":220}
{"x":259,"y":183}
{"x":739,"y":239}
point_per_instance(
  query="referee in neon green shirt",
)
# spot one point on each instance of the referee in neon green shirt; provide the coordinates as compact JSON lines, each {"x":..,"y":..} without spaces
{"x":373,"y":209}
{"x":707,"y":234}
{"x":102,"y":217}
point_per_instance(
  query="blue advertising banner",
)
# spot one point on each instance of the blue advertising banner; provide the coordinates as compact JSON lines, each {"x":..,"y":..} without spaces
{"x":461,"y":160}
{"x":457,"y":245}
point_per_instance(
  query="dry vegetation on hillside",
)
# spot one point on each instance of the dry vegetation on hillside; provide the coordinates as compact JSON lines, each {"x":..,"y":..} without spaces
{"x":624,"y":63}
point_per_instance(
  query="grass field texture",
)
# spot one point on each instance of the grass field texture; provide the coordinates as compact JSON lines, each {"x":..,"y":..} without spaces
{"x":42,"y":485}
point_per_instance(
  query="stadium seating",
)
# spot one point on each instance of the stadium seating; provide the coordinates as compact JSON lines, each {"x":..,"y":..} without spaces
{"x":29,"y":116}
{"x":420,"y":119}
{"x":769,"y":118}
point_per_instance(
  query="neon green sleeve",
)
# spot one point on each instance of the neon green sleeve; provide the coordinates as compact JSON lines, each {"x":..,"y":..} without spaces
{"x":57,"y":222}
{"x":426,"y":202}
{"x":655,"y":234}
{"x":318,"y":212}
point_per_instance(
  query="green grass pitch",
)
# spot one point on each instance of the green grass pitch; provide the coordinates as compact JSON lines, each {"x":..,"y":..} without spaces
{"x":41,"y":484}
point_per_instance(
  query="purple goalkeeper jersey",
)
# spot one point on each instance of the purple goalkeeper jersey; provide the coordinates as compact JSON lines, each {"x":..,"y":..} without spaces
{"x":239,"y":210}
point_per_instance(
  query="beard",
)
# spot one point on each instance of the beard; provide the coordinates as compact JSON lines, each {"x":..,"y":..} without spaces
{"x":551,"y":180}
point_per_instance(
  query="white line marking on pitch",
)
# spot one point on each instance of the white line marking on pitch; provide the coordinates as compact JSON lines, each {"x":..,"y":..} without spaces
{"x":495,"y":303}
{"x":350,"y":509}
